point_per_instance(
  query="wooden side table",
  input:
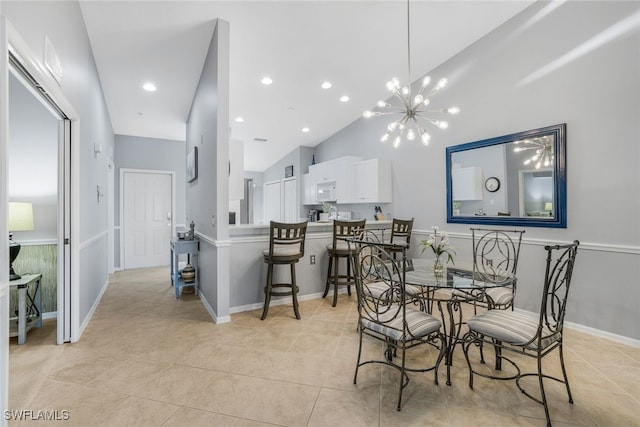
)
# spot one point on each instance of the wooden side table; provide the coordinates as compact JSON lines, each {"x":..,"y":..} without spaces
{"x":191,"y":248}
{"x":29,"y":306}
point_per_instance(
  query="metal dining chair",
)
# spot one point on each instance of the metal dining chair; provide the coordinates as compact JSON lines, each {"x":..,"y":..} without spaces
{"x":384,"y":315}
{"x":521,"y":334}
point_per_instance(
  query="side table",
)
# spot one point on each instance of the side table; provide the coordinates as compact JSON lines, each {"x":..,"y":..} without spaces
{"x":29,"y":306}
{"x":191,"y":249}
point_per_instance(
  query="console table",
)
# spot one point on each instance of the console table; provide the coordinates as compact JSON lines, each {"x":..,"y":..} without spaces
{"x":191,"y":249}
{"x":29,"y":306}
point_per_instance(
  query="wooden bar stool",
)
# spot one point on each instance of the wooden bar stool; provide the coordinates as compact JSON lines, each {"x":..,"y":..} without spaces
{"x":286,"y":246}
{"x":339,"y":248}
{"x":400,"y":235}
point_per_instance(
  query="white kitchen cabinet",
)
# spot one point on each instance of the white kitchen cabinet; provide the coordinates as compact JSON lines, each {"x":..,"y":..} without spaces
{"x":310,"y":191}
{"x":338,"y":171}
{"x":371,"y":181}
{"x":467,"y":183}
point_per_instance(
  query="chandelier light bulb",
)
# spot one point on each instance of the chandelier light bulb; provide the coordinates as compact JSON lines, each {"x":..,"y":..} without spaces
{"x":405,"y":90}
{"x":418,"y":99}
{"x":392,"y":126}
{"x":396,"y":142}
{"x":442,"y":124}
{"x":367,"y":114}
{"x":411,"y":135}
{"x":453,"y":110}
{"x":426,"y":102}
{"x":426,"y":81}
{"x":385,"y":137}
{"x":426,"y":138}
{"x":442,"y":83}
{"x":381,"y":104}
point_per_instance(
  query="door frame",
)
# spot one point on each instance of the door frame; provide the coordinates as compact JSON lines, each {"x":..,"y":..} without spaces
{"x":68,"y":193}
{"x":121,"y":200}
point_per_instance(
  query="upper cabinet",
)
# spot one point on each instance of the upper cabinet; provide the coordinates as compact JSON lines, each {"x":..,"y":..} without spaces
{"x":310,"y":192}
{"x":467,"y":183}
{"x":336,"y":171}
{"x":371,"y":181}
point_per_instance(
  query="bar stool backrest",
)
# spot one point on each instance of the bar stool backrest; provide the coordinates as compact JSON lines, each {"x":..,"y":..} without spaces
{"x":287,"y":239}
{"x":343,"y":230}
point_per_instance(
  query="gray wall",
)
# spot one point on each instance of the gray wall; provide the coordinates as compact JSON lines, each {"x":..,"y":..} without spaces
{"x":62,"y":22}
{"x":208,"y":196}
{"x":134,"y":152}
{"x":579,"y":65}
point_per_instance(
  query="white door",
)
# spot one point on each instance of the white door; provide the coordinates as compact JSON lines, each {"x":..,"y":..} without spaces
{"x":272,"y":201}
{"x":290,"y":200}
{"x":147,"y":219}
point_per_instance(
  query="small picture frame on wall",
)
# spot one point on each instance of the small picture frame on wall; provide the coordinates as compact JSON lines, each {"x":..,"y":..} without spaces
{"x":192,"y":165}
{"x":288,"y":171}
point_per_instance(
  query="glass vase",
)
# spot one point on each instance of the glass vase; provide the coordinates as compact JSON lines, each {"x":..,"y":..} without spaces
{"x":438,"y":267}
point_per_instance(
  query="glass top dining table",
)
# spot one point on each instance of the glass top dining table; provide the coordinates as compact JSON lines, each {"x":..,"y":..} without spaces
{"x":460,"y":283}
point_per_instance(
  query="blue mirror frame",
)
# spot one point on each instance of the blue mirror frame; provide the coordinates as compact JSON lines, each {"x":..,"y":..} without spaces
{"x":559,"y":218}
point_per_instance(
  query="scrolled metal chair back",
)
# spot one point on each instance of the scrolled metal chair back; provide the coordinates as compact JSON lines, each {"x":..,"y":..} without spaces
{"x":560,"y":262}
{"x":380,"y":282}
{"x":495,"y":252}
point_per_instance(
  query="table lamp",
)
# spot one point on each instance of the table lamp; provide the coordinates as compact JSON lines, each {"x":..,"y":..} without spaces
{"x":548,"y":207}
{"x":20,"y":219}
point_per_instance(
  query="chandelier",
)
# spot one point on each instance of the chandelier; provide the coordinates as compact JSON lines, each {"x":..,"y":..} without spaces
{"x":543,"y":146}
{"x":414,"y":116}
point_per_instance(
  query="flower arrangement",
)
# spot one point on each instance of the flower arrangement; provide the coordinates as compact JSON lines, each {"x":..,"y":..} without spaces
{"x":439,"y":244}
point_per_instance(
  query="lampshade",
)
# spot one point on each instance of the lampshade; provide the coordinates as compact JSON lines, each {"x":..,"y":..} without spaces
{"x":20,"y":216}
{"x":548,"y":206}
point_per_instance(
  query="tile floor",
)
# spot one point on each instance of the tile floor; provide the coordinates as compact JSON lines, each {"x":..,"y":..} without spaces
{"x":147,"y":359}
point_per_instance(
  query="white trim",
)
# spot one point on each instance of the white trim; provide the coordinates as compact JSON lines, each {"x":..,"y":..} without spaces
{"x":265,"y":238}
{"x":121,"y":200}
{"x":586,"y":246}
{"x":589,"y":330}
{"x":93,"y":240}
{"x":275,"y":301}
{"x":38,"y":242}
{"x":217,"y":320}
{"x":89,"y":316}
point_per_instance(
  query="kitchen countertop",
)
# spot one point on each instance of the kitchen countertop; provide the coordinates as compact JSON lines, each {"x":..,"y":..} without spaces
{"x":240,"y":230}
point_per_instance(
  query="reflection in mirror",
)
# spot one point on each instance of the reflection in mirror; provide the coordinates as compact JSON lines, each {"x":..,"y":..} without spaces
{"x":516,"y":179}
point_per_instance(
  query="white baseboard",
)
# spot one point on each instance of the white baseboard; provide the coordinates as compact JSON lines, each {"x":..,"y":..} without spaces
{"x":280,"y":301}
{"x":86,"y":320}
{"x":217,"y":320}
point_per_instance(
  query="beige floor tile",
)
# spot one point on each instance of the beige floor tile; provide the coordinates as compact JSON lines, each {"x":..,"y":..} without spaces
{"x":228,"y":394}
{"x":176,"y":385}
{"x":346,"y":408}
{"x":198,"y":418}
{"x":128,"y":375}
{"x":282,"y":403}
{"x":136,"y":412}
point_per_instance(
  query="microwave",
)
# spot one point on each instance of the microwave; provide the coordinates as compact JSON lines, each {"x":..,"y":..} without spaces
{"x":327,"y":192}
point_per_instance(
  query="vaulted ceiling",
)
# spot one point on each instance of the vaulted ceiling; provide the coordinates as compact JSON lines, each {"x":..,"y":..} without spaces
{"x":356,"y":45}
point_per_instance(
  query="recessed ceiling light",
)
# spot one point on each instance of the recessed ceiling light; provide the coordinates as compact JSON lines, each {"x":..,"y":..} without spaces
{"x":239,"y":120}
{"x":266,"y":80}
{"x":326,"y":85}
{"x":344,"y":98}
{"x":149,"y":87}
{"x":305,"y":129}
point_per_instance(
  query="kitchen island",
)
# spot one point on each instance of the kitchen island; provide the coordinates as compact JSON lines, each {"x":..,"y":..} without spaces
{"x":248,"y":270}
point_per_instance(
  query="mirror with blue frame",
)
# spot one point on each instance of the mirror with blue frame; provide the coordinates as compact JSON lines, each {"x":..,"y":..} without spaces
{"x":517,"y":179}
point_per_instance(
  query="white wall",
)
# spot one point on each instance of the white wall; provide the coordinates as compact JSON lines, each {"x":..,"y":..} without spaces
{"x":577,"y":64}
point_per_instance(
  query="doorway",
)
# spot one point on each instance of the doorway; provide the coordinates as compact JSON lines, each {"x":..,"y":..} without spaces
{"x":146,"y":216}
{"x":39,"y":175}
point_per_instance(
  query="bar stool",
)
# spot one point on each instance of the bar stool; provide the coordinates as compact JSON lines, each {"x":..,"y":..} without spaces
{"x":400,"y":235}
{"x":286,"y":246}
{"x":339,"y":248}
